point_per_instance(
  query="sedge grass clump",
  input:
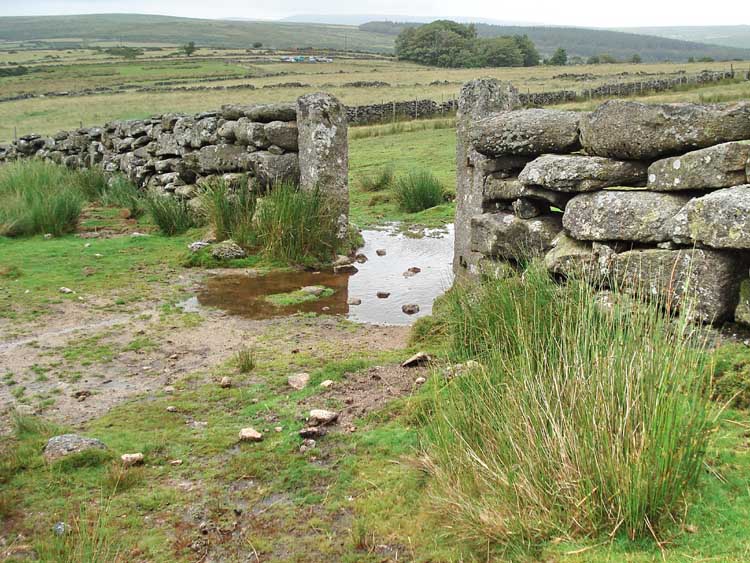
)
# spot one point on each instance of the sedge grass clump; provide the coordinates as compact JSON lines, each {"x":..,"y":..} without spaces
{"x":379,"y":181}
{"x":38,"y":198}
{"x":245,"y":360}
{"x":418,"y":191}
{"x":296,"y":226}
{"x":230,"y":211}
{"x":121,"y":192}
{"x":582,"y":418}
{"x":172,"y":215}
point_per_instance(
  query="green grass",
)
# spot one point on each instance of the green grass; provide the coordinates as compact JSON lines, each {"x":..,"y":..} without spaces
{"x":172,"y":215}
{"x":296,"y":297}
{"x":230,"y":211}
{"x":418,"y":191}
{"x":381,"y":180}
{"x":582,"y":422}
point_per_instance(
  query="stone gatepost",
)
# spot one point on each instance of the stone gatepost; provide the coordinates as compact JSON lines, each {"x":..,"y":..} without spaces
{"x":324,"y":151}
{"x":478,"y":99}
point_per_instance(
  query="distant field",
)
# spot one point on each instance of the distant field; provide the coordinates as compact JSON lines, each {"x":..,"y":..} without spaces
{"x":355,"y":79}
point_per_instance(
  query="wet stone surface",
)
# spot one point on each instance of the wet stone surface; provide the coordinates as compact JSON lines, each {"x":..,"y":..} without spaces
{"x":431,"y":255}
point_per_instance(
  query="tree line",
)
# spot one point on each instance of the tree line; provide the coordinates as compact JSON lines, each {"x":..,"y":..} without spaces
{"x":449,"y":44}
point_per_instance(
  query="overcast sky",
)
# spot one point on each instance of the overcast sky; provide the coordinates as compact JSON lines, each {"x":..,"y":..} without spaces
{"x":594,"y":13}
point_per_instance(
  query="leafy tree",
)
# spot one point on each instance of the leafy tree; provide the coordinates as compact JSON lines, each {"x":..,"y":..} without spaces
{"x":528,"y":50}
{"x":593,"y":60}
{"x":636,"y":59}
{"x":257,"y":45}
{"x":500,"y":51}
{"x":124,"y":52}
{"x":189,"y":48}
{"x":607,"y":59}
{"x":559,"y":58}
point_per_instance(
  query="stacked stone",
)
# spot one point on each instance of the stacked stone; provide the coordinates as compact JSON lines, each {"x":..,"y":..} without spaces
{"x":650,"y":197}
{"x":175,"y":153}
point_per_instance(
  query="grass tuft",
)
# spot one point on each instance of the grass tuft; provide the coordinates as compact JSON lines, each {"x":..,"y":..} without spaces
{"x":231,"y":211}
{"x":418,"y":191}
{"x":379,"y":181}
{"x":172,"y":215}
{"x":583,"y":420}
{"x":245,"y":360}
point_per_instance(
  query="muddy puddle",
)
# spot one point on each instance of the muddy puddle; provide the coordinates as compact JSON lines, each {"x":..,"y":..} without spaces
{"x":246,"y":295}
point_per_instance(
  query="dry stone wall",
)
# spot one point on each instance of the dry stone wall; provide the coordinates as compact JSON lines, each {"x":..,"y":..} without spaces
{"x":653,"y":197}
{"x":177,"y":154}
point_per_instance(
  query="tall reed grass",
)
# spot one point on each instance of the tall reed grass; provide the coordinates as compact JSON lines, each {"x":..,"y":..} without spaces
{"x":582,"y":419}
{"x":172,"y":215}
{"x":381,"y":180}
{"x":231,"y":211}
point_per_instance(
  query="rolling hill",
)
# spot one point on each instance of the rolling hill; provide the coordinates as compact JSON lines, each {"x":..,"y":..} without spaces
{"x":728,"y":35}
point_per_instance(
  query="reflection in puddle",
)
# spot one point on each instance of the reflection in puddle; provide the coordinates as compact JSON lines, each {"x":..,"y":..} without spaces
{"x":241,"y":294}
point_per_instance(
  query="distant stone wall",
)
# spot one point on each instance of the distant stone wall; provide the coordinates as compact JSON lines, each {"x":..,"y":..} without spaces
{"x":177,"y":154}
{"x":654,"y":197}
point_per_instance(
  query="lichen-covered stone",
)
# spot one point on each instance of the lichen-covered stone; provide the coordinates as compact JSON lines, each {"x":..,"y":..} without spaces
{"x":630,"y":215}
{"x":250,"y":133}
{"x":720,"y":219}
{"x":742,"y":311}
{"x":526,"y":208}
{"x":503,"y":235}
{"x":720,"y":166}
{"x":702,"y":283}
{"x":498,"y":188}
{"x":586,"y":260}
{"x":324,"y":152}
{"x":262,"y":113}
{"x":283,"y":134}
{"x":223,"y":158}
{"x":527,"y":132}
{"x":637,"y":131}
{"x":576,"y":173}
{"x":227,"y":250}
{"x":64,"y":445}
{"x":270,"y":169}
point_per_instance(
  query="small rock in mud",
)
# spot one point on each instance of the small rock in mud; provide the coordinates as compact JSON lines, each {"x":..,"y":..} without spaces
{"x":138,"y":235}
{"x":66,"y":290}
{"x":131,"y":459}
{"x":82,"y":395}
{"x":169,"y":388}
{"x":321,"y":417}
{"x":418,"y":359}
{"x":225,"y":382}
{"x":354,"y":301}
{"x":307,"y":444}
{"x":278,"y":429}
{"x":316,"y":290}
{"x":298,"y":380}
{"x":410,"y":309}
{"x":360,"y":258}
{"x":383,"y":294}
{"x":420,"y":381}
{"x":380,"y":252}
{"x":59,"y":529}
{"x":345,"y":268}
{"x":413,"y":271}
{"x":250,"y":435}
{"x":342,"y":260}
{"x":175,"y":462}
{"x":326,"y":384}
{"x":66,"y":444}
{"x":312,"y":432}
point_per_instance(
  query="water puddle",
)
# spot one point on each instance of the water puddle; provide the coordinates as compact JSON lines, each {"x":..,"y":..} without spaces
{"x":245,"y":295}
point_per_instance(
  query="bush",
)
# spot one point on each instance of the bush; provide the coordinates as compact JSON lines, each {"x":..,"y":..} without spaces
{"x":172,"y":215}
{"x":379,"y":181}
{"x":582,"y":418}
{"x":231,"y":212}
{"x":418,"y":191}
{"x":296,"y":226}
{"x":38,"y":198}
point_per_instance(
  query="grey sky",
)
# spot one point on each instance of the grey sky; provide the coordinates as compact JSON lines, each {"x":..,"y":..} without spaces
{"x":556,"y":12}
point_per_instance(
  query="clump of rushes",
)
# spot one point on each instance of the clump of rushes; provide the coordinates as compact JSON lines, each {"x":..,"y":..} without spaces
{"x":582,"y":419}
{"x":418,"y":191}
{"x":379,"y":181}
{"x":172,"y":215}
{"x":38,"y":198}
{"x":121,"y":192}
{"x":245,"y":359}
{"x":296,"y":226}
{"x":230,"y":211}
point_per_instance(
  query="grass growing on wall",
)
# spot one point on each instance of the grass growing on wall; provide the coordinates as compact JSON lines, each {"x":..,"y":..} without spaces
{"x":582,"y":419}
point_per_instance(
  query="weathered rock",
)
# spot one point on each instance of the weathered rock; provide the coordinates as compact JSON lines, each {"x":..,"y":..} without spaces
{"x":503,"y":235}
{"x":418,"y":359}
{"x":64,"y":445}
{"x":637,"y":131}
{"x":411,"y":272}
{"x":282,"y":134}
{"x":316,"y":290}
{"x":574,"y":173}
{"x":410,"y":309}
{"x":381,"y":252}
{"x":250,"y":435}
{"x":354,"y":301}
{"x":263,"y":113}
{"x":322,"y":417}
{"x":249,"y":133}
{"x":582,"y":259}
{"x":702,"y":283}
{"x":720,"y":219}
{"x":497,"y":188}
{"x":225,"y":382}
{"x":632,"y":215}
{"x":129,"y":460}
{"x":270,"y":169}
{"x":742,"y":311}
{"x":383,"y":294}
{"x":324,"y":152}
{"x":223,"y":158}
{"x":720,"y":166}
{"x":298,"y":380}
{"x":525,"y":208}
{"x":227,"y":130}
{"x":227,"y":250}
{"x":527,"y":132}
